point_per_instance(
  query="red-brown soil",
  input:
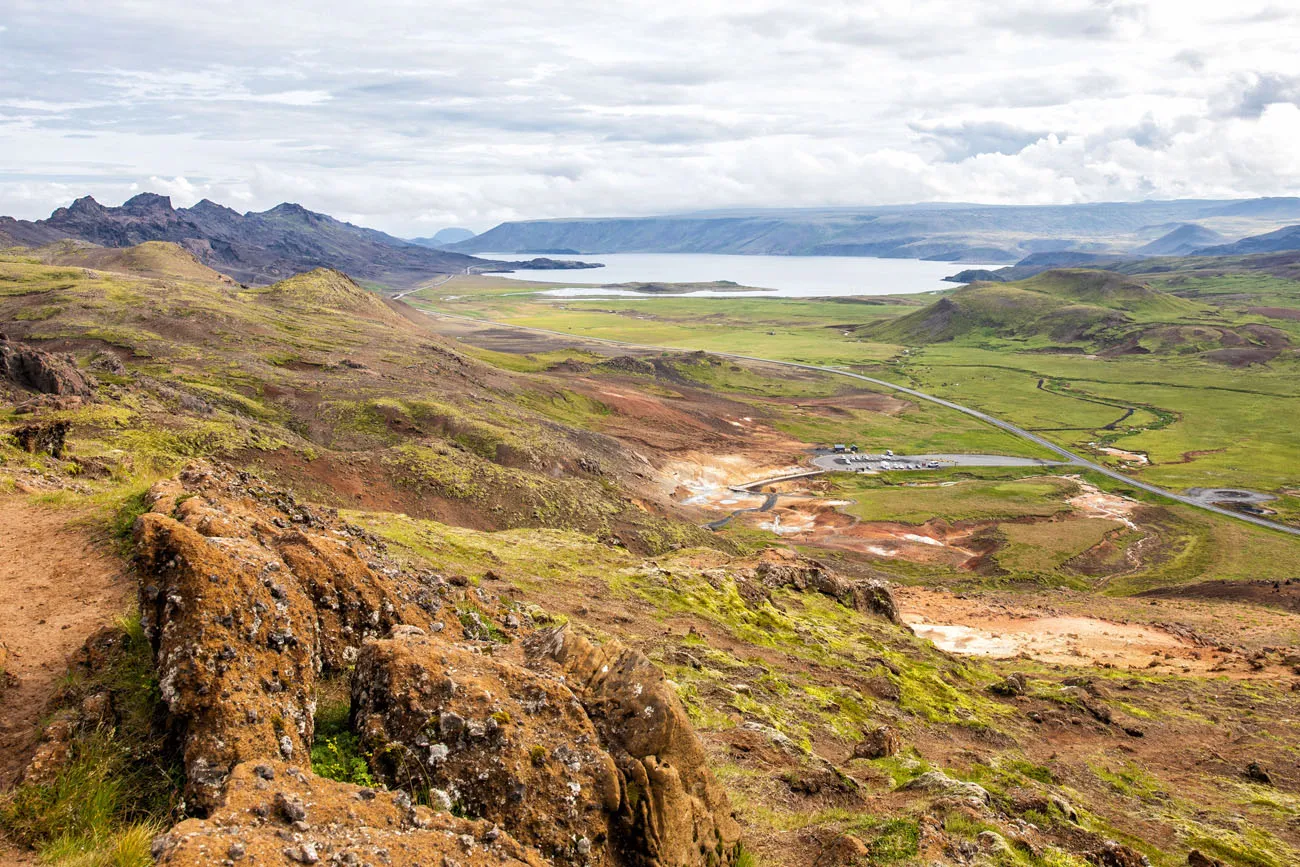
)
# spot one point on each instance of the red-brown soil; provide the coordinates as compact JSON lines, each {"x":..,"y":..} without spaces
{"x":1276,"y":312}
{"x":1273,"y":594}
{"x":689,"y":420}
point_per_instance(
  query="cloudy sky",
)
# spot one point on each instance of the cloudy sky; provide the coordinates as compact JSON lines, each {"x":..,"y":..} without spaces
{"x":411,"y":116}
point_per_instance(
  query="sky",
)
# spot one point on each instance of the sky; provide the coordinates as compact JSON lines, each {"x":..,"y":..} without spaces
{"x":412,"y":116}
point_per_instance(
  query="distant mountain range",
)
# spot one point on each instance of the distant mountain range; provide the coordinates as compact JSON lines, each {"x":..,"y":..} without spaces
{"x":264,"y":247}
{"x":1287,"y":238}
{"x":945,"y":232}
{"x":254,"y":248}
{"x":1181,"y":242}
{"x":444,"y":237}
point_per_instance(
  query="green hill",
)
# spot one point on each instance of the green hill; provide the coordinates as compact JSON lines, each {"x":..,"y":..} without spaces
{"x":1094,"y":308}
{"x":1002,"y":310}
{"x":1105,"y":289}
{"x":325,"y":289}
{"x":161,"y":259}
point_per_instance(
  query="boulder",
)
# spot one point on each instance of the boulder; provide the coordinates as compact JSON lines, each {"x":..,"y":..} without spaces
{"x":1012,"y":685}
{"x":877,"y":744}
{"x":53,"y":752}
{"x":628,"y":364}
{"x":1112,"y":854}
{"x":845,"y":850}
{"x":673,"y":811}
{"x":779,"y":568}
{"x":939,"y":783}
{"x":993,"y":843}
{"x":341,"y":824}
{"x":49,"y":437}
{"x":1021,"y":801}
{"x":544,"y":751}
{"x":1256,"y":774}
{"x":490,"y":739}
{"x":36,"y":370}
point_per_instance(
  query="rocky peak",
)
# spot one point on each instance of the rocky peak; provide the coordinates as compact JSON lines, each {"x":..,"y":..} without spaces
{"x":209,"y":208}
{"x":147,"y":204}
{"x":84,"y":206}
{"x":254,"y":247}
{"x":292,"y":210}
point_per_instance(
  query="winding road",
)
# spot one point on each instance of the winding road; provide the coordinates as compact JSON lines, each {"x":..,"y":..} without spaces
{"x":1067,"y":457}
{"x":769,"y":503}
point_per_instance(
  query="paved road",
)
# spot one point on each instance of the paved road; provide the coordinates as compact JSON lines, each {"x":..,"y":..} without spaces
{"x":768,"y":505}
{"x":1067,"y":457}
{"x":400,"y":295}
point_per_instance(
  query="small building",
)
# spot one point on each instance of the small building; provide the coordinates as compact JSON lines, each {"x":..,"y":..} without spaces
{"x":854,"y":448}
{"x":839,"y":448}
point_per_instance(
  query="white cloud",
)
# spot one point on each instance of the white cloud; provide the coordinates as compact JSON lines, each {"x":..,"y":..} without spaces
{"x":183,"y":193}
{"x":409,"y":116}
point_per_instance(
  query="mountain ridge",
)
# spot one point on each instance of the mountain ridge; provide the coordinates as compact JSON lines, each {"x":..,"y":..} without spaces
{"x":1286,"y":238}
{"x":935,"y":231}
{"x":443,"y":237}
{"x":253,"y":247}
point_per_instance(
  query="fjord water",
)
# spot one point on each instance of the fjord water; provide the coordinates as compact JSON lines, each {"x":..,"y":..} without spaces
{"x":786,"y":276}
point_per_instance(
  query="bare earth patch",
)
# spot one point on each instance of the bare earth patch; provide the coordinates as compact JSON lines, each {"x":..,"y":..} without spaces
{"x":975,"y":627}
{"x":57,"y":586}
{"x":1095,"y":503}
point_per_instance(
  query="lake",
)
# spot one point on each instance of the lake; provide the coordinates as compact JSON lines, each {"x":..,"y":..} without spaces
{"x":787,"y":276}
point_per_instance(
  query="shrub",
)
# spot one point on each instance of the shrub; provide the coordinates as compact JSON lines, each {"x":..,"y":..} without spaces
{"x":339,"y":757}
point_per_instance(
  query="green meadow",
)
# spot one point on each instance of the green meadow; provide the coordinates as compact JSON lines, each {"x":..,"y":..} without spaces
{"x":1201,"y":422}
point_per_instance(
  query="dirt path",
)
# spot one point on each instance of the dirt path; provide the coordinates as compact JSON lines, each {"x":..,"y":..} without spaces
{"x":56,"y":587}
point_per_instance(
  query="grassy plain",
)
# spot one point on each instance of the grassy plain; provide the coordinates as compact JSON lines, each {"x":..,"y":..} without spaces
{"x":971,"y":499}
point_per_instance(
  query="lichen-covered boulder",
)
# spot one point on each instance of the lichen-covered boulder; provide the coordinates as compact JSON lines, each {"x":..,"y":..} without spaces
{"x":243,"y":613}
{"x":674,"y":811}
{"x":271,"y":812}
{"x":490,"y":739}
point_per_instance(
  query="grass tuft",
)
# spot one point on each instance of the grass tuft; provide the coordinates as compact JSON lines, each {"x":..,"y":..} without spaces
{"x":119,"y":786}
